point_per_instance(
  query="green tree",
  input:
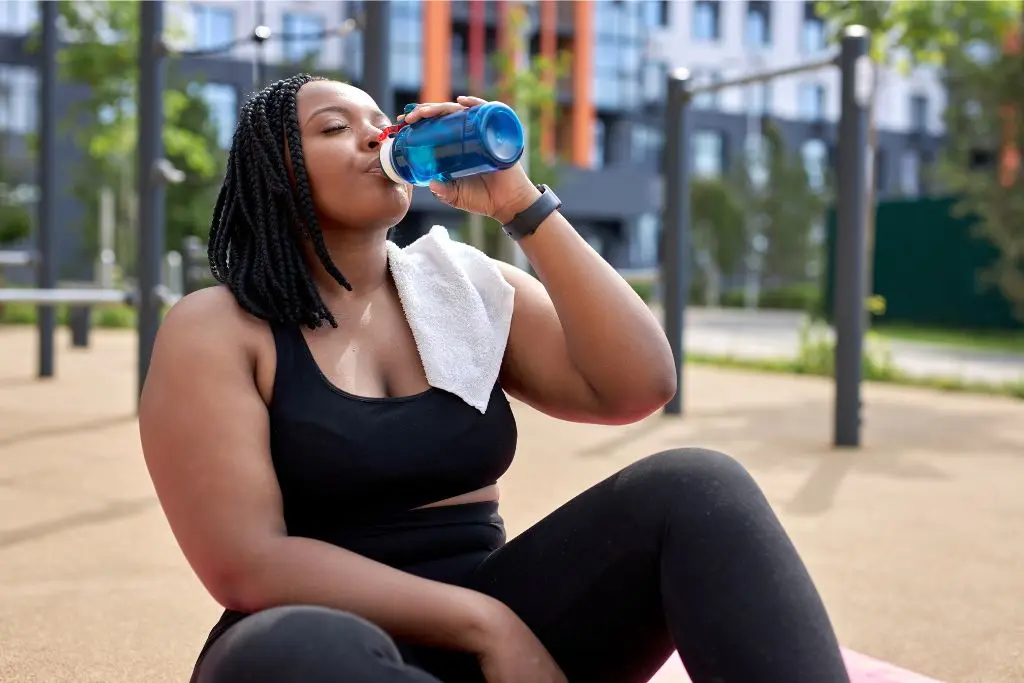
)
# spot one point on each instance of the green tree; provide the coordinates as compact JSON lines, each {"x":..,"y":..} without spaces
{"x":15,"y":219}
{"x":940,"y":34}
{"x":102,"y":54}
{"x":780,"y":205}
{"x":719,"y":234}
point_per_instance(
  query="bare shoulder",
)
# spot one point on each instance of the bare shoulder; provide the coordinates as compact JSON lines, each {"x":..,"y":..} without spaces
{"x":213,"y":309}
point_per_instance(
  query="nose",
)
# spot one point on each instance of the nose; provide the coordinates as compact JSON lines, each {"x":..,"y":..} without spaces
{"x":371,"y":137}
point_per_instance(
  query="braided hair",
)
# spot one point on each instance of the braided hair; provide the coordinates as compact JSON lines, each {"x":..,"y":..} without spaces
{"x":252,"y":247}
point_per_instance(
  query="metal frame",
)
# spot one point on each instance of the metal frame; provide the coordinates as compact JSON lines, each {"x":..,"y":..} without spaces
{"x":851,"y":242}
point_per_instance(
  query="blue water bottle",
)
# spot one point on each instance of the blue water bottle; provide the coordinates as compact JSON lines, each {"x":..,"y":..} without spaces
{"x":482,"y":139}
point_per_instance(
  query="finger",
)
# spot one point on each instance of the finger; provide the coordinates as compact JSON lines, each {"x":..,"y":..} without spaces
{"x":469,"y":101}
{"x":426,"y":111}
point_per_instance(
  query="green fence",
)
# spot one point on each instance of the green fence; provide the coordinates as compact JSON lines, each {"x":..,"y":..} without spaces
{"x":928,"y":268}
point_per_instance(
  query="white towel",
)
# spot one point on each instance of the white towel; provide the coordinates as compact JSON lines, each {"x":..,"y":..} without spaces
{"x":459,"y":307}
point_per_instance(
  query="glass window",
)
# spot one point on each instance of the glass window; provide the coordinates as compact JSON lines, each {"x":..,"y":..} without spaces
{"x":303,"y":36}
{"x":812,"y":33}
{"x":646,"y":145}
{"x":759,"y":23}
{"x":19,"y":88}
{"x":758,"y":97}
{"x":918,"y":113}
{"x":812,"y":101}
{"x":706,"y":20}
{"x":618,"y":51}
{"x":18,"y":16}
{"x":815,"y":158}
{"x":597,"y":147}
{"x":406,"y":43}
{"x":706,"y":100}
{"x":222,"y":99}
{"x":352,"y":45}
{"x":756,"y":152}
{"x":708,"y":154}
{"x":214,"y":27}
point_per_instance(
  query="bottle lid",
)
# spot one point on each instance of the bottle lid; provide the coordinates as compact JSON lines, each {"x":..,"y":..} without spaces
{"x":386,"y":162}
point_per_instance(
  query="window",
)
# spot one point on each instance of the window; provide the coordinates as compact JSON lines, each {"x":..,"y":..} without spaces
{"x":706,"y":100}
{"x":222,"y":99}
{"x":656,"y":13}
{"x":618,"y":46}
{"x":19,"y":88}
{"x":812,"y":34}
{"x":646,"y":147}
{"x":655,"y":80}
{"x":597,"y":146}
{"x":756,"y":152}
{"x":708,"y":154}
{"x":407,"y":44}
{"x":759,"y":23}
{"x":302,"y":37}
{"x":812,"y":101}
{"x":352,"y":45}
{"x":214,"y":27}
{"x":18,"y":16}
{"x":918,"y":113}
{"x":815,"y":158}
{"x":910,"y":173}
{"x":758,"y":97}
{"x":706,"y":20}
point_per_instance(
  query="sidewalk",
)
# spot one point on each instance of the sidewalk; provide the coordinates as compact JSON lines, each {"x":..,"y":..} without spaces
{"x":911,"y":540}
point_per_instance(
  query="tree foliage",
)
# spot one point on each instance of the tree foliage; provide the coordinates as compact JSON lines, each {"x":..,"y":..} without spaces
{"x":985,"y":84}
{"x":101,"y":53}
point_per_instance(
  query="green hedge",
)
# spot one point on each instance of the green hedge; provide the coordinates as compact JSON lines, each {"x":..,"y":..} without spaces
{"x":116,"y":317}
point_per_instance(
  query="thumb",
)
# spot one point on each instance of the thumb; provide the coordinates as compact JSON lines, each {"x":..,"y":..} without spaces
{"x":446,"y":192}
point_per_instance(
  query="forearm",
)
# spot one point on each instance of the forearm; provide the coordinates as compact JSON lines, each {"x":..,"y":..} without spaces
{"x":297,"y":570}
{"x":613,"y":339}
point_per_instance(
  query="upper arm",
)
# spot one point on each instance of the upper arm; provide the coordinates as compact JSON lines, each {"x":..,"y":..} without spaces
{"x":538,"y":369}
{"x":205,"y":439}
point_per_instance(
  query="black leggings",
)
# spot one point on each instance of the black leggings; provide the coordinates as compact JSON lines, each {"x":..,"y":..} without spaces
{"x":678,"y":551}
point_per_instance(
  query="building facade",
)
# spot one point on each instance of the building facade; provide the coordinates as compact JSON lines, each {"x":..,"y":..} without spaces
{"x":606,"y":134}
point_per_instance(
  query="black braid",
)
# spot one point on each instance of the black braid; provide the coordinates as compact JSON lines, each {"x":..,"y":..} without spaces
{"x":252,"y":247}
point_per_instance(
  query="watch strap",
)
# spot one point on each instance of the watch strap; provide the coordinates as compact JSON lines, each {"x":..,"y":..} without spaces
{"x":527,"y":221}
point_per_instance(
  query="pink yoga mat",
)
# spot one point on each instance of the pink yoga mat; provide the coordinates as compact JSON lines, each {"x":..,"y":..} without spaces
{"x":863,"y":669}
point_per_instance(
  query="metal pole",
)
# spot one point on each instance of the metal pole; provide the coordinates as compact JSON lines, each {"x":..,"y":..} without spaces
{"x":857,"y":73}
{"x":675,"y":223}
{"x":150,"y":182}
{"x":377,"y":54}
{"x":46,"y":240}
{"x":259,"y":63}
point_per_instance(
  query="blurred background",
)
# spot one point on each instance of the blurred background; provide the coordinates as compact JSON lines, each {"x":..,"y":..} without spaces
{"x":589,"y":77}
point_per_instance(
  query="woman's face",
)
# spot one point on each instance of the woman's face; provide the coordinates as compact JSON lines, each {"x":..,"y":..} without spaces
{"x":339,"y":125}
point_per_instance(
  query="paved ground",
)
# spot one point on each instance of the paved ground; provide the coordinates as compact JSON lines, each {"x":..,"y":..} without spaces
{"x":914,"y":541}
{"x":775,"y":334}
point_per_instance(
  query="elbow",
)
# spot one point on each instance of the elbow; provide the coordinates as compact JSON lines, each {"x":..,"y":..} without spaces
{"x":642,"y":402}
{"x":239,"y":587}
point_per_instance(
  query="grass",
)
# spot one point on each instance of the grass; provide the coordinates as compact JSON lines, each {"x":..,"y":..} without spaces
{"x":1005,"y":341}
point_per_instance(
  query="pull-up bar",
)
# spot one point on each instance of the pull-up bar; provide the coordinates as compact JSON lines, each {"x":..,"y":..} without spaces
{"x":857,"y":77}
{"x":763,"y":76}
{"x":17,"y":258}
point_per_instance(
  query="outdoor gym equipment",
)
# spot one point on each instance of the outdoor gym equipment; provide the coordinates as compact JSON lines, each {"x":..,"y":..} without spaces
{"x":857,"y":76}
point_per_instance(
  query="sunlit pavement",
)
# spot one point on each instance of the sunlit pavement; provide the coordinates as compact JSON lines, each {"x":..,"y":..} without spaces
{"x":911,"y":540}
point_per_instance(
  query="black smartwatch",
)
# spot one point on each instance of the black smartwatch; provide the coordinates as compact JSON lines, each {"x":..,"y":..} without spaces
{"x":526,"y":222}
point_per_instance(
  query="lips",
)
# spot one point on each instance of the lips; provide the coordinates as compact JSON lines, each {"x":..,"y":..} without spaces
{"x":374,"y":167}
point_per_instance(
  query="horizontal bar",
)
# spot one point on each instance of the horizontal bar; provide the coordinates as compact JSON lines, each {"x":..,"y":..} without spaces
{"x":17,"y":258}
{"x":762,"y":76}
{"x":65,"y":296}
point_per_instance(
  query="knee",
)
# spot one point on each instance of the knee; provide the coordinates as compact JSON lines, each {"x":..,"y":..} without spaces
{"x":300,"y":642}
{"x":693,"y":479}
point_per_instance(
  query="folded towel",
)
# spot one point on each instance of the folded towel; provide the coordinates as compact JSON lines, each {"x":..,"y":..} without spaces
{"x":459,"y":307}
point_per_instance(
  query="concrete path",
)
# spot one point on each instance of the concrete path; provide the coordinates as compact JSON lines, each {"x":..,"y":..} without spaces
{"x":775,"y":334}
{"x":913,"y":541}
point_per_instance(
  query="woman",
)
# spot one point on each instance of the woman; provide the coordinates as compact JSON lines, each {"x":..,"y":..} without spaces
{"x":344,"y":512}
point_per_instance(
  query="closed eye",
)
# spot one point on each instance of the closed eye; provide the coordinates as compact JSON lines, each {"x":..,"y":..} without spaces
{"x":336,"y":128}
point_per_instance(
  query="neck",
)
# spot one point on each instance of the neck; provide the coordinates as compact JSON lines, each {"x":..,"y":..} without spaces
{"x":360,"y":256}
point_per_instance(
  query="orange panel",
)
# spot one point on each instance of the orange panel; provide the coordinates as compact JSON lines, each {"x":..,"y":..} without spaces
{"x":437,"y":41}
{"x":583,"y":111}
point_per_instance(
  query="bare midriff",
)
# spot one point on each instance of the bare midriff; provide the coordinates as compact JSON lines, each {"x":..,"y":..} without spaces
{"x":485,"y":495}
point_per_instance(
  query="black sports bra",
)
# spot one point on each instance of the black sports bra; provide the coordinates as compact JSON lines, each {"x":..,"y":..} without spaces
{"x":347,"y":461}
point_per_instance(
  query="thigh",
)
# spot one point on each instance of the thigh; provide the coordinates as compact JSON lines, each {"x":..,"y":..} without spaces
{"x":305,"y":644}
{"x":586,"y":580}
